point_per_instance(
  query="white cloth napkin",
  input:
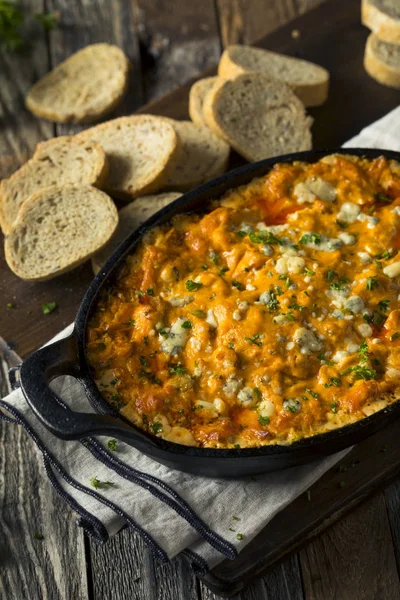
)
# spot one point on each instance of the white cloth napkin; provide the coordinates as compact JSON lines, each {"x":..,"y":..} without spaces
{"x":233,"y":511}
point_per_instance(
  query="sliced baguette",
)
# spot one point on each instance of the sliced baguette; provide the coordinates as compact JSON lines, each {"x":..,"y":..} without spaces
{"x":202,"y":156}
{"x":83,"y":88}
{"x":58,"y":229}
{"x":62,"y":160}
{"x":382,"y":61}
{"x":258,"y":117}
{"x":140,"y":150}
{"x":309,"y":81}
{"x":130,"y":218}
{"x":383,"y":18}
{"x":197,"y":93}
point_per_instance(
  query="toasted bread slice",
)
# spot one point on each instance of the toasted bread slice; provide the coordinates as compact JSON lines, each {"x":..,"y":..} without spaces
{"x":258,"y":117}
{"x":383,"y":18}
{"x":197,"y":93}
{"x":130,"y":218}
{"x":309,"y":81}
{"x":382,"y":61}
{"x":202,"y":156}
{"x":83,"y":88}
{"x":62,"y":160}
{"x":140,"y":150}
{"x":57,"y":229}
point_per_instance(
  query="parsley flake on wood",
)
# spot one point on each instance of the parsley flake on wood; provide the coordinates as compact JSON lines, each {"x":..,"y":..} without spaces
{"x":48,"y":307}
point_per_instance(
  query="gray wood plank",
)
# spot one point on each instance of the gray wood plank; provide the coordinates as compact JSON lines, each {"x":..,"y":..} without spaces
{"x":84,"y":23}
{"x":20,"y":131}
{"x":354,"y":559}
{"x":51,"y":568}
{"x":124,"y":568}
{"x":283,"y":583}
{"x":179,"y":39}
{"x":392,"y":497}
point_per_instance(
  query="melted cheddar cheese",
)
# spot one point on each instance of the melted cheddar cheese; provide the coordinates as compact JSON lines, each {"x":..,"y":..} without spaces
{"x":273,"y":317}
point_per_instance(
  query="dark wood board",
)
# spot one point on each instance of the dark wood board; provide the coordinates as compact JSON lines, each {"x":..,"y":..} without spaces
{"x":332,"y":36}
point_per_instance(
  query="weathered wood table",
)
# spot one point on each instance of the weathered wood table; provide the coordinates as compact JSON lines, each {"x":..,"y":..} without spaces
{"x":168,"y":42}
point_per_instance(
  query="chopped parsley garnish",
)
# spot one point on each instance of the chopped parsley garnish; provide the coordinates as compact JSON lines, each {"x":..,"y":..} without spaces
{"x":241,"y":234}
{"x":278,"y":290}
{"x":214,"y":257}
{"x":223,"y":270}
{"x":239,"y":536}
{"x":333,"y":381}
{"x":231,"y":345}
{"x":395,"y":336}
{"x":263,"y":420}
{"x":257,"y":393}
{"x":143,"y":361}
{"x":380,"y":197}
{"x":177,"y":369}
{"x":361,"y":372}
{"x":130,"y":323}
{"x":199,"y":313}
{"x":331,"y":275}
{"x":313,"y":394}
{"x":273,"y":303}
{"x":376,"y":319}
{"x":163,"y":332}
{"x":114,"y":381}
{"x":38,"y":536}
{"x":371,"y":284}
{"x":311,"y":238}
{"x":309,"y":271}
{"x":286,"y":279}
{"x":264,"y":237}
{"x":334,"y":407}
{"x":48,"y":307}
{"x":238,"y":285}
{"x":187,"y":325}
{"x":363,"y":352}
{"x":383,"y":305}
{"x":254,"y":339}
{"x":112,"y":445}
{"x":235,"y":518}
{"x":157,"y":427}
{"x":96,"y":483}
{"x":205,"y":267}
{"x":150,"y":291}
{"x":384,"y":255}
{"x":193,"y":286}
{"x":296,"y":306}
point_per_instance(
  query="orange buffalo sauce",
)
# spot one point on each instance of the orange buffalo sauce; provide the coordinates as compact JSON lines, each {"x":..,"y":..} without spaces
{"x":273,"y":317}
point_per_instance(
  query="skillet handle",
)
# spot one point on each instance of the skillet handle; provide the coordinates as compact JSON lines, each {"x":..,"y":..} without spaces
{"x":61,"y":358}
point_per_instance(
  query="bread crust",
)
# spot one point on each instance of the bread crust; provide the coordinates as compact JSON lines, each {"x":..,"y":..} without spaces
{"x":311,"y":94}
{"x":22,"y":220}
{"x":385,"y":27}
{"x":35,"y":103}
{"x":379,"y":70}
{"x":195,"y":100}
{"x":7,"y":218}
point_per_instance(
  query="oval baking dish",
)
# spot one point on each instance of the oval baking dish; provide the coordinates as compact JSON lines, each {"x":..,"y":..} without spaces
{"x":69,"y":356}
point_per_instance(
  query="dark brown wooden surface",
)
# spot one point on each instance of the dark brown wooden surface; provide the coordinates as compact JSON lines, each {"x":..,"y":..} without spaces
{"x":169,"y":43}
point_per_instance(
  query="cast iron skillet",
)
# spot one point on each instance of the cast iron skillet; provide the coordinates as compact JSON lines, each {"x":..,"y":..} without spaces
{"x":68,"y":356}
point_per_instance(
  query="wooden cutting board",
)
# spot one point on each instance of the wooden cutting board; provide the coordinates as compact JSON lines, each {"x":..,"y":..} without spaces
{"x":332,"y":36}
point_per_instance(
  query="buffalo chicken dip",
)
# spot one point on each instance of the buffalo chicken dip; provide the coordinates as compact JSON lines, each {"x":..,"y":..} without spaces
{"x":273,"y":317}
